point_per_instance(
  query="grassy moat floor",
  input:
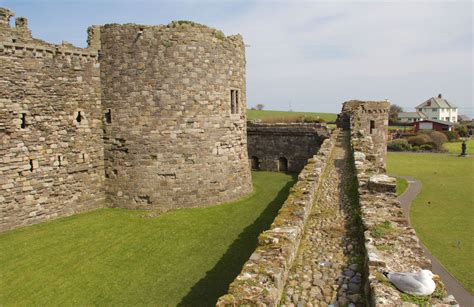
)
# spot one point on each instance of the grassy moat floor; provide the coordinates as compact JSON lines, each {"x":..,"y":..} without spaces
{"x":118,"y":257}
{"x":443,"y":212}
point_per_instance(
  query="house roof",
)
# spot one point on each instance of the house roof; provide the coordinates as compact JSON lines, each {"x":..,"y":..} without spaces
{"x":437,"y":102}
{"x":442,"y":122}
{"x":411,"y":115}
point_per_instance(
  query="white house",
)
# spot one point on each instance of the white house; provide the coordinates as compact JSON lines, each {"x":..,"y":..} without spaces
{"x":438,"y":108}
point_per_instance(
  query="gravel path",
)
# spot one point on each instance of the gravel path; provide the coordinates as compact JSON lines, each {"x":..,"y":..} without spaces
{"x":327,"y":269}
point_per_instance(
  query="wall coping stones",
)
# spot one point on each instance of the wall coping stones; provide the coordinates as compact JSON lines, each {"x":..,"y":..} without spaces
{"x":397,"y":248}
{"x":263,"y":276}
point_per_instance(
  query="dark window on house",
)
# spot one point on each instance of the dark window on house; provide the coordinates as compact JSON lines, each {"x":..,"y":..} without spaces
{"x":31,"y":165}
{"x":59,"y":161}
{"x":79,"y":117}
{"x":108,"y":116}
{"x":372,"y":126}
{"x":255,"y":163}
{"x":23,"y":120}
{"x":234,"y":101}
{"x":283,"y":164}
{"x":83,"y":158}
{"x":435,"y":110}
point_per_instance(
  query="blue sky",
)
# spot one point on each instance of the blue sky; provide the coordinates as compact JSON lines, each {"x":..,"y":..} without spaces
{"x":313,"y":55}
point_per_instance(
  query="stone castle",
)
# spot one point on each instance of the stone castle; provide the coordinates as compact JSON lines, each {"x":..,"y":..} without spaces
{"x":144,"y":117}
{"x":153,"y":117}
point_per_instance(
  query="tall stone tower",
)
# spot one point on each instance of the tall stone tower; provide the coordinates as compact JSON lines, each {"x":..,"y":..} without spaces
{"x":369,"y":119}
{"x":174,"y":102}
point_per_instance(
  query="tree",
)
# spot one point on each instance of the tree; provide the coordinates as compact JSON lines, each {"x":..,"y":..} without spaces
{"x":393,"y":113}
{"x":260,"y":106}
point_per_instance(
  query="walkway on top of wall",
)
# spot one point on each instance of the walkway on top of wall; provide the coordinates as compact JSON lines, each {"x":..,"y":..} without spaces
{"x":463,"y":296}
{"x":327,"y":269}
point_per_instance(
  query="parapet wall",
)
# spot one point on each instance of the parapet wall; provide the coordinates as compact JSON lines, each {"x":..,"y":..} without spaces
{"x":283,"y":147}
{"x":264,"y":275}
{"x":391,"y":244}
{"x":176,"y":134}
{"x":51,"y":153}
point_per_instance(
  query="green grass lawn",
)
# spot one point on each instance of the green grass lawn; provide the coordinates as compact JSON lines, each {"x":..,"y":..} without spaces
{"x":455,"y":147}
{"x":269,"y":115}
{"x":118,"y":257}
{"x":402,"y":185}
{"x":443,"y":213}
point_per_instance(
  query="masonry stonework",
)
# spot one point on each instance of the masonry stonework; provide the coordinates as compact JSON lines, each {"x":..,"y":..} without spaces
{"x":270,"y":146}
{"x":174,"y":139}
{"x":368,"y":118}
{"x":51,"y":161}
{"x":144,"y":117}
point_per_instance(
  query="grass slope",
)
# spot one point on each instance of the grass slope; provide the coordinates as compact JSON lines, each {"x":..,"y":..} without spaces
{"x":443,"y":212}
{"x":402,"y":185}
{"x":117,"y":257}
{"x":455,"y":147}
{"x":268,"y":115}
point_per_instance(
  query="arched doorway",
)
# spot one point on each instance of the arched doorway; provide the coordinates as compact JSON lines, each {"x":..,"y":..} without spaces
{"x":283,"y":164}
{"x":255,"y":163}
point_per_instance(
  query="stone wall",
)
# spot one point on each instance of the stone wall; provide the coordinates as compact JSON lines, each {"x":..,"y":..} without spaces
{"x":397,"y":247}
{"x":390,"y":243}
{"x":176,"y":133}
{"x":368,"y":118}
{"x":271,"y":147}
{"x":145,"y":117}
{"x":51,"y":153}
{"x":263,"y":276}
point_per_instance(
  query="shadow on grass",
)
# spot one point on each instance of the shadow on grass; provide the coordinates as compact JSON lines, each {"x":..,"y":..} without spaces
{"x":216,"y":282}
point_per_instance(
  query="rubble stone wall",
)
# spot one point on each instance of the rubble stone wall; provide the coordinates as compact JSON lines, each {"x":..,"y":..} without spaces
{"x":263,"y":276}
{"x":295,"y":143}
{"x":390,"y":243}
{"x":174,"y":137}
{"x":51,"y":163}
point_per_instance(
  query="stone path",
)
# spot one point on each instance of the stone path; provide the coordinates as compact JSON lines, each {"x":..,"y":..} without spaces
{"x":454,"y":287}
{"x":328,"y":268}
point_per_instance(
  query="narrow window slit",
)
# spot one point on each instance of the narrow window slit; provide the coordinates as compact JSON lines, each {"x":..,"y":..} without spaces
{"x":59,"y":161}
{"x":31,"y":165}
{"x":108,"y":116}
{"x":23,"y":120}
{"x":79,"y":117}
{"x":83,"y":158}
{"x":372,"y":126}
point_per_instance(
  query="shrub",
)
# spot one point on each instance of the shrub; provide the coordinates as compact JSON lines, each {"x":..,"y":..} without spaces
{"x":452,"y":135}
{"x":426,"y":147}
{"x":462,"y":131}
{"x":399,"y":145}
{"x":419,"y":139}
{"x":437,"y":139}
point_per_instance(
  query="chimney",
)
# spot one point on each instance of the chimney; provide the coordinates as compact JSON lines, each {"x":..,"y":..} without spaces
{"x":440,"y":96}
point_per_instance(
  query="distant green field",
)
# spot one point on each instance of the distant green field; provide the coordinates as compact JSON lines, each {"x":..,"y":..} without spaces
{"x":269,"y":115}
{"x":443,"y":212}
{"x":455,"y":147}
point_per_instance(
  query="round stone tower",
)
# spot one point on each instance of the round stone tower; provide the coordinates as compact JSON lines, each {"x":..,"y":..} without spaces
{"x":174,"y":105}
